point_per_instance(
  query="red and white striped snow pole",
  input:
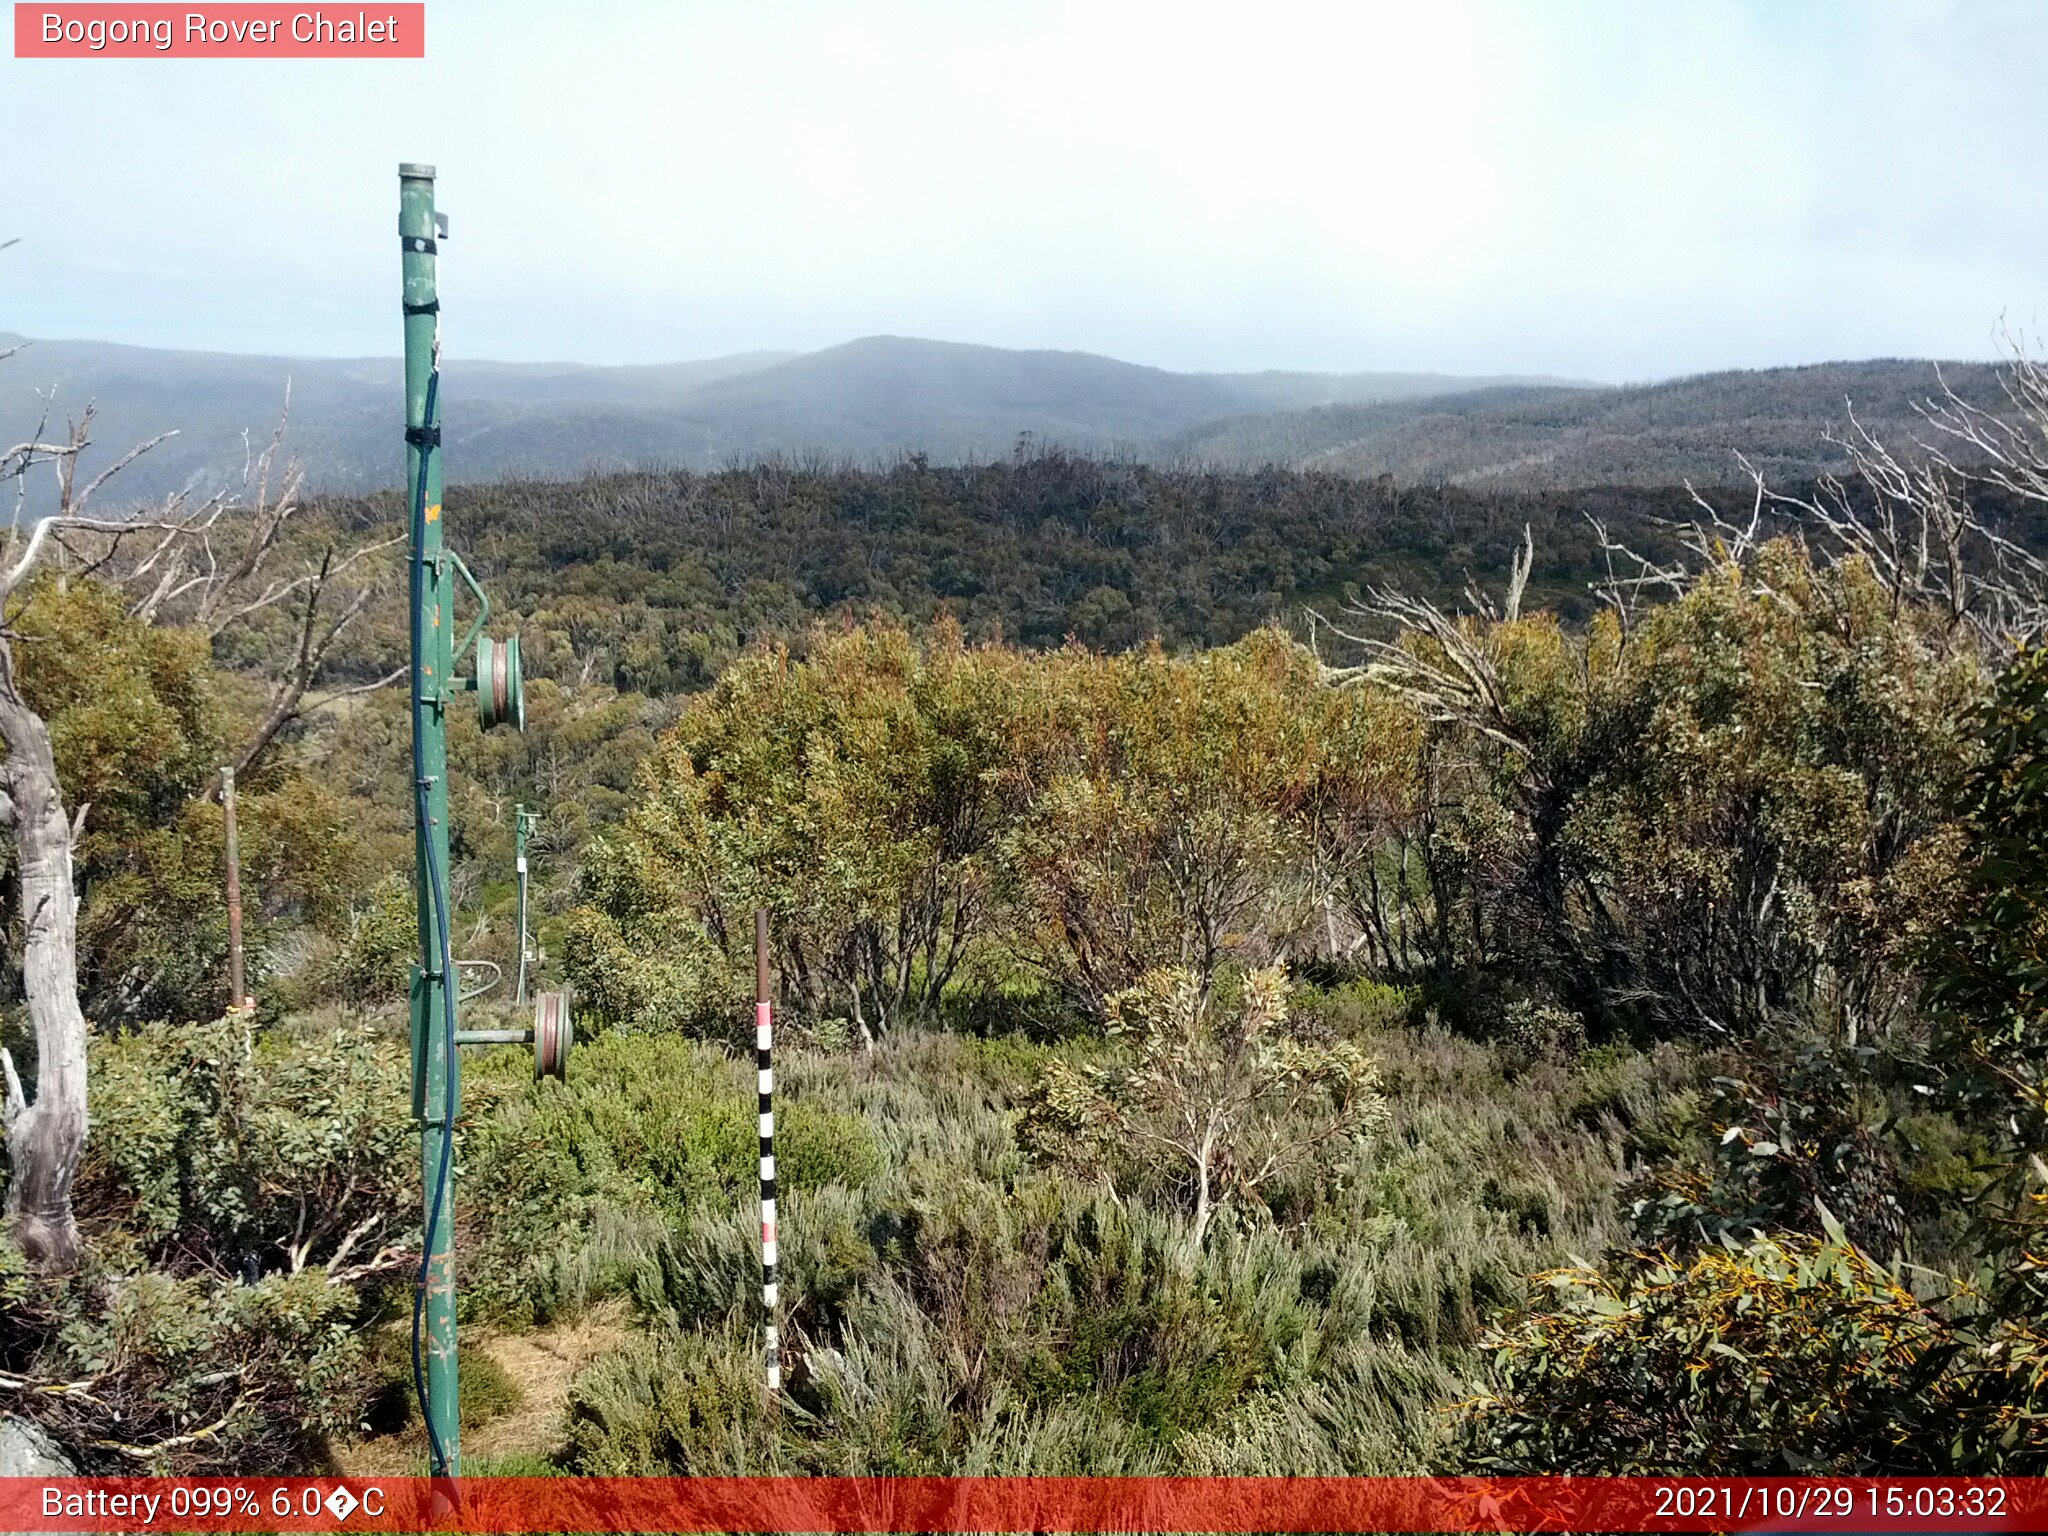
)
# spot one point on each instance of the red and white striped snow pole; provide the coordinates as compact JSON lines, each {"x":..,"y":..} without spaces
{"x":764,"y":1061}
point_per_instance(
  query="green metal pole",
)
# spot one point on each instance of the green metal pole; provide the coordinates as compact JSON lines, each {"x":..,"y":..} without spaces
{"x":436,"y":1075}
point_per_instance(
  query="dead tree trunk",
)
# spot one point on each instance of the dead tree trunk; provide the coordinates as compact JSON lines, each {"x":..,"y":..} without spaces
{"x":46,"y":1138}
{"x":178,"y":569}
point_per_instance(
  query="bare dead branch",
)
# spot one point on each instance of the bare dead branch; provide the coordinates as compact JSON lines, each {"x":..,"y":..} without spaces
{"x":175,"y":1442}
{"x":354,"y":690}
{"x":1440,"y":664}
{"x":117,"y":466}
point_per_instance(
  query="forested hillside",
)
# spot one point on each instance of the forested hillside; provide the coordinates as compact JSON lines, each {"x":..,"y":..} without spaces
{"x":872,"y":402}
{"x":1779,"y":419}
{"x":1202,"y":1052}
{"x":866,"y":401}
{"x":653,"y":582}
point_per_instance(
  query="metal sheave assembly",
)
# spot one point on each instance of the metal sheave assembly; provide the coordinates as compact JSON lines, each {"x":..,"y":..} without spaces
{"x":500,"y":693}
{"x":553,"y":1033}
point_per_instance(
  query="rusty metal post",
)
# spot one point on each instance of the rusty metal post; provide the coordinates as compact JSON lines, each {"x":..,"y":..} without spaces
{"x":238,"y":996}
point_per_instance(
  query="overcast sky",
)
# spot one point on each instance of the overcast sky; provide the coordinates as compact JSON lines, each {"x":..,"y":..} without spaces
{"x":1610,"y":190}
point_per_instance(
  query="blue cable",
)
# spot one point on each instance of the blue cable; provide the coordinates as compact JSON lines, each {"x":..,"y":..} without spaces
{"x":445,"y":943}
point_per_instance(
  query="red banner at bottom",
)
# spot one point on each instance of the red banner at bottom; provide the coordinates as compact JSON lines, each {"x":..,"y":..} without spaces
{"x":934,"y":1504}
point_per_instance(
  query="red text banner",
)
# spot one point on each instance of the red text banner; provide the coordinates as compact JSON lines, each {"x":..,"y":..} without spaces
{"x":239,"y":31}
{"x":933,"y":1504}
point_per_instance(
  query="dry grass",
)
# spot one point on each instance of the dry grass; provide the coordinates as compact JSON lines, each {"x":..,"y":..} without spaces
{"x":541,"y":1364}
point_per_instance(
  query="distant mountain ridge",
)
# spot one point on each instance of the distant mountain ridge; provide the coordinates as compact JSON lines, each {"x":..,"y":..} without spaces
{"x":871,"y":399}
{"x":1540,"y":438}
{"x":882,"y":397}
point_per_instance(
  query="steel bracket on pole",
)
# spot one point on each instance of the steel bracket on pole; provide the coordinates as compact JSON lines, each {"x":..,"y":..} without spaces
{"x":483,"y":610}
{"x":419,"y":1043}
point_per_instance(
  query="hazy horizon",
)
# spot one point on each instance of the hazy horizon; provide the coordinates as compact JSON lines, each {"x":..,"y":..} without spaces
{"x":1475,"y":188}
{"x":393,"y":356}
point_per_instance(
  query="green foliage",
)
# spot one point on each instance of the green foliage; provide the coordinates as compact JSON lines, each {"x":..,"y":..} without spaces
{"x":136,"y":731}
{"x":853,"y":794}
{"x":1988,"y":965}
{"x":372,"y":965}
{"x":916,"y":815}
{"x":682,"y":1402}
{"x":1532,"y":1032}
{"x":140,"y":721}
{"x":642,"y":969}
{"x":488,"y":1390}
{"x":656,"y":582}
{"x":1782,"y":1354}
{"x":1799,"y":1132}
{"x":1218,"y":1099}
{"x":1777,"y":1354}
{"x":573,"y":765}
{"x":1782,"y":1351}
{"x":189,"y":1373}
{"x":968,"y":1310}
{"x":647,"y":1133}
{"x":243,"y":1152}
{"x":1731,"y":821}
{"x":132,"y":718}
{"x":1732,"y":813}
{"x":1187,"y":811}
{"x":1357,"y":1008}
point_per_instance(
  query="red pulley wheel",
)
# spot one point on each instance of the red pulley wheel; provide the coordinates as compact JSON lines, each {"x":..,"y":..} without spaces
{"x":500,"y":690}
{"x":553,"y":1033}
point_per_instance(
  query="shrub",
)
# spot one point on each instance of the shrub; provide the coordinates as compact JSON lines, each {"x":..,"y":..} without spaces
{"x":1801,"y":1130}
{"x":650,"y":1133}
{"x":1788,"y":1354}
{"x":916,"y":813}
{"x":488,"y":1390}
{"x":1188,"y":812}
{"x":966,"y":1310}
{"x":1768,"y":1349}
{"x":1219,"y":1099}
{"x":1533,"y":1033}
{"x":373,"y":963}
{"x":192,"y":1374}
{"x":1733,"y":810}
{"x":687,"y":1404}
{"x":1988,"y":966}
{"x":269,"y":1178}
{"x":1359,"y":1009}
{"x":854,"y":793}
{"x":647,"y":968}
{"x":246,"y":1152}
{"x":140,"y":721}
